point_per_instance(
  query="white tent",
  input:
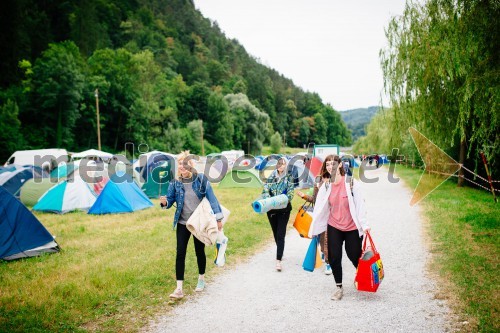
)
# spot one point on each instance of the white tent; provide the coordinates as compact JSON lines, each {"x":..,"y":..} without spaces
{"x":69,"y":195}
{"x":92,"y":153}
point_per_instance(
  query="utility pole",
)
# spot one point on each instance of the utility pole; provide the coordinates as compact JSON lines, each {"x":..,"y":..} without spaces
{"x":202,"y":146}
{"x":248,"y":147}
{"x":98,"y":121}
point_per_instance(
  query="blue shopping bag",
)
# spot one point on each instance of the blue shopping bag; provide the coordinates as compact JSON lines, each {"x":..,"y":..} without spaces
{"x":312,"y":252}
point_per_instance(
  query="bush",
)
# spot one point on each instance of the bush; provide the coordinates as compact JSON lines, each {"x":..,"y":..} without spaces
{"x":276,"y":143}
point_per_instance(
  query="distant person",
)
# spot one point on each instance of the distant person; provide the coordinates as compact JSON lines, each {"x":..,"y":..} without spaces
{"x":340,"y":210}
{"x":377,"y":160}
{"x":279,"y":182}
{"x":187,"y":191}
{"x":347,"y":167}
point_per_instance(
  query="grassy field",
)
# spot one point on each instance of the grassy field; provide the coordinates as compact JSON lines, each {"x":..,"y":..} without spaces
{"x":463,"y":233}
{"x":266,"y":150}
{"x":115,"y":272}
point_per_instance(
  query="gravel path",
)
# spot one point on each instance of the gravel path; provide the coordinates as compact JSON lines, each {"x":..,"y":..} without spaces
{"x":253,"y":297}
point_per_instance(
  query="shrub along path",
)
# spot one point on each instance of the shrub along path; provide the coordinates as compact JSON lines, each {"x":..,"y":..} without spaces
{"x":253,"y":297}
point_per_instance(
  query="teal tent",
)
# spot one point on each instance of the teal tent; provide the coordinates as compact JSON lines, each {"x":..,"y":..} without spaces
{"x":158,"y":179}
{"x":69,"y":195}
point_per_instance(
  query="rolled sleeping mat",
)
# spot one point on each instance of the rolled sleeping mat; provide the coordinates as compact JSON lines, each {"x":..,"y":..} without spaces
{"x":262,"y":206}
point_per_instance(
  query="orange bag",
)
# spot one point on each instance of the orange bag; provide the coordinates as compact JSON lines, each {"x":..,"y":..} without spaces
{"x":303,"y":219}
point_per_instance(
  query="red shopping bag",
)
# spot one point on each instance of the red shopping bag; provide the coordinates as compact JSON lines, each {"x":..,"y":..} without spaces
{"x":370,"y":271}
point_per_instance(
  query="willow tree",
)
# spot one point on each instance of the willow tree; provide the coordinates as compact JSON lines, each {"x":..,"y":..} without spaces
{"x":441,"y":71}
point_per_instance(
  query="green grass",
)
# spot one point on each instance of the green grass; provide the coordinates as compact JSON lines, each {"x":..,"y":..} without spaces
{"x":266,"y":150}
{"x":115,"y":272}
{"x":463,"y":228}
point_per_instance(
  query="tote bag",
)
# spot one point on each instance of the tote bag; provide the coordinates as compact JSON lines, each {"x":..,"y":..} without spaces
{"x":312,"y":259}
{"x":370,"y":271}
{"x":303,"y":220}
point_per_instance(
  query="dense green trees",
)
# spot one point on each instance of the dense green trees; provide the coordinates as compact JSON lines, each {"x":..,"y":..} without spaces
{"x":158,"y":66}
{"x":56,"y":92}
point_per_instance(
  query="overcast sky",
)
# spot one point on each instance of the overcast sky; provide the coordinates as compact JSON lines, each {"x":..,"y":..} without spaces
{"x":326,"y":46}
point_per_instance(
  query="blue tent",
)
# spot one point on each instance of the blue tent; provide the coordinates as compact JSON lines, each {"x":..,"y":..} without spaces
{"x":21,"y":234}
{"x":14,"y":179}
{"x":148,"y":162}
{"x":120,"y":195}
{"x":268,"y":162}
{"x":383,"y":159}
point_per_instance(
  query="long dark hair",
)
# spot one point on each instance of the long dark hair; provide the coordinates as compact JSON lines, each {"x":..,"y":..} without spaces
{"x":336,"y":161}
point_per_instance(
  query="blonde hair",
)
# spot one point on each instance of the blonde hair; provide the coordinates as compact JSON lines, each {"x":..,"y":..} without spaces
{"x":180,"y":159}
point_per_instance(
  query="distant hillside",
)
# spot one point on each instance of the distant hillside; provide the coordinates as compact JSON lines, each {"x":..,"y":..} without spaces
{"x":357,"y":119}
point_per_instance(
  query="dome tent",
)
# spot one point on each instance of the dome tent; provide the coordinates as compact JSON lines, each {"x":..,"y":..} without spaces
{"x":158,"y":179}
{"x":120,"y":195}
{"x":21,"y":234}
{"x":241,"y":178}
{"x":32,"y":190}
{"x":71,"y":194}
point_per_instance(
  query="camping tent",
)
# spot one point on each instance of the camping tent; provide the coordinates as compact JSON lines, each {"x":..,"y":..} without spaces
{"x":158,"y":179}
{"x":21,"y":234}
{"x":32,"y":190}
{"x":241,"y":178}
{"x":268,"y":162}
{"x":69,"y":195}
{"x":383,"y":159}
{"x":13,"y":180}
{"x":120,"y":195}
{"x":91,"y":153}
{"x":64,"y":170}
{"x":314,"y":166}
{"x":147,"y":162}
{"x":305,"y":177}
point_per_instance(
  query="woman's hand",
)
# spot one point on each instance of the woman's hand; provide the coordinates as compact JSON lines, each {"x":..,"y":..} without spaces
{"x":367,"y":230}
{"x":163,"y":200}
{"x":219,"y":225}
{"x":300,"y":194}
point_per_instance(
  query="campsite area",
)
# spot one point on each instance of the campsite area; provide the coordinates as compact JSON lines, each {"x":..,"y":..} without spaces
{"x":114,"y":272}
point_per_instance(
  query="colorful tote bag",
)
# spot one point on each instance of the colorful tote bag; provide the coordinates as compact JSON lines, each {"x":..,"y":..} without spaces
{"x":370,"y":271}
{"x":303,"y":220}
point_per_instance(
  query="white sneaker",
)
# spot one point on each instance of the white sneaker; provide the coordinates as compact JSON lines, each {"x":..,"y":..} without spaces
{"x":337,"y":295}
{"x":328,"y":269}
{"x":278,"y":266}
{"x":177,"y":294}
{"x":200,"y":286}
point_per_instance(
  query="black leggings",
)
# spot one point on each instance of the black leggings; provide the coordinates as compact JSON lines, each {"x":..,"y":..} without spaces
{"x":353,"y":245}
{"x":183,"y":235}
{"x":278,"y":221}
